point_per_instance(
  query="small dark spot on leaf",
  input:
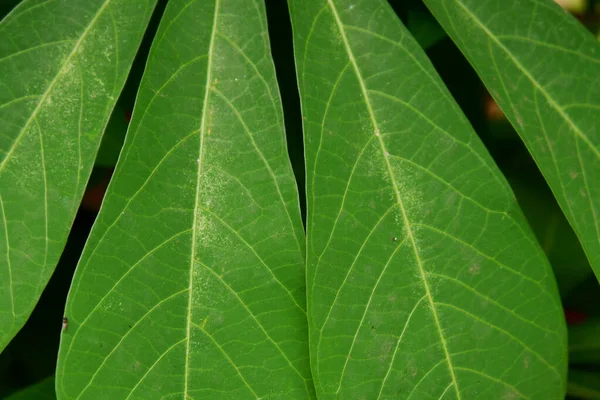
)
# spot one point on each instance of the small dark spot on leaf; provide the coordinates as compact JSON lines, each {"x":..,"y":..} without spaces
{"x":394,"y":239}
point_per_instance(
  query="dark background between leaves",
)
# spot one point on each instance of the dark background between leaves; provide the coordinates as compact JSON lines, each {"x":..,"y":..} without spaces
{"x":31,"y":356}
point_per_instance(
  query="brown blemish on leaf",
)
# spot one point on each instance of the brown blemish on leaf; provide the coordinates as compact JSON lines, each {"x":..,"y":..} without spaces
{"x":210,"y":117}
{"x":573,"y":175}
{"x":474,"y":270}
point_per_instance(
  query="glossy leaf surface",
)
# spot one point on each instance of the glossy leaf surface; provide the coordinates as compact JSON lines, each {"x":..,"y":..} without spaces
{"x":192,"y":282}
{"x":541,"y":66}
{"x":420,"y":266}
{"x":63,"y":64}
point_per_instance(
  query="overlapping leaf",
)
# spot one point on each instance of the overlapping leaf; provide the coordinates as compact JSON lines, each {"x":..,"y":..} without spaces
{"x":424,"y":281}
{"x":63,"y":64}
{"x":192,"y":282}
{"x":541,"y":65}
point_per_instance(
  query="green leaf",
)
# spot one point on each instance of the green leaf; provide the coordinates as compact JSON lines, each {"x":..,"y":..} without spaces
{"x":583,"y":384}
{"x":192,"y":282}
{"x":43,"y":390}
{"x":584,"y":342}
{"x":62,"y":66}
{"x":420,"y":266}
{"x":541,"y":66}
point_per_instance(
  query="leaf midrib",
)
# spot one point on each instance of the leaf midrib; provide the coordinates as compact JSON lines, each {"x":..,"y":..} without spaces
{"x":203,"y":127}
{"x":52,"y":84}
{"x":574,"y":127}
{"x":404,"y":214}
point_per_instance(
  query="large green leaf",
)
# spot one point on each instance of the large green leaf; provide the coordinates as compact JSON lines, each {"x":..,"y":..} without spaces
{"x":192,"y":282}
{"x":63,"y":64}
{"x":541,"y":66}
{"x":423,"y":279}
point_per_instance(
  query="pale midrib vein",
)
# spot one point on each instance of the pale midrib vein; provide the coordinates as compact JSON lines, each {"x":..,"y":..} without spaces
{"x":52,"y":84}
{"x":203,"y":128}
{"x":535,"y":83}
{"x":10,"y":279}
{"x":409,"y":230}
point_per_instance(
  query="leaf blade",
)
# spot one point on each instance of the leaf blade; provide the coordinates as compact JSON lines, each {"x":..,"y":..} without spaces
{"x":52,"y":128}
{"x":544,"y":81}
{"x":385,"y":208}
{"x":203,"y":211}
